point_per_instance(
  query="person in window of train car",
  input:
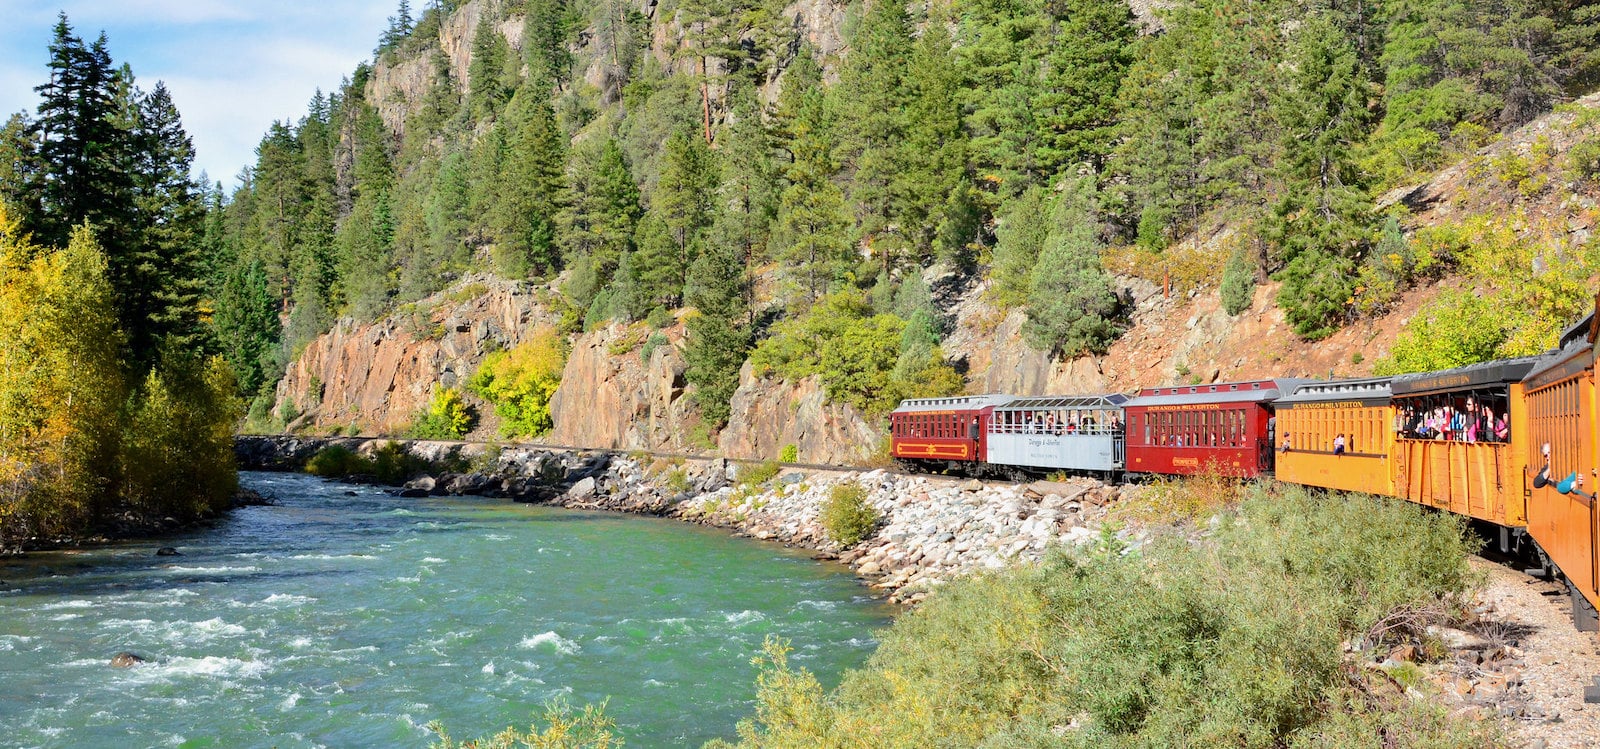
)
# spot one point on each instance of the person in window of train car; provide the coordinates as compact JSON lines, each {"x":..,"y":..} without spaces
{"x":1338,"y":445}
{"x":1287,"y":444}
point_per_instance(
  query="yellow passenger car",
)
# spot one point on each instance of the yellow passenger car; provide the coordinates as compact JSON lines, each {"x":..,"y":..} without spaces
{"x":1560,"y":454}
{"x":1461,"y":440}
{"x":1337,"y":435}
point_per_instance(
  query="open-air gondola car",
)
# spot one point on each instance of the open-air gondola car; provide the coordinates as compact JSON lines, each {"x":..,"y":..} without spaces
{"x":1461,"y":440}
{"x":1041,"y":435}
{"x":1560,"y":459}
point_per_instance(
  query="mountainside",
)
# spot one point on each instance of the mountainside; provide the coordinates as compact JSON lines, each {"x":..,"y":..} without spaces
{"x":743,"y":225}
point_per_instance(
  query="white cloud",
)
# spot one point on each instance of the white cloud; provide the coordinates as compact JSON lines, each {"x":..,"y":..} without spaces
{"x":233,"y":66}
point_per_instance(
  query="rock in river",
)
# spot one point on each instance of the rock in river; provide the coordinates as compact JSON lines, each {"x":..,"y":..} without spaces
{"x":126,"y":659}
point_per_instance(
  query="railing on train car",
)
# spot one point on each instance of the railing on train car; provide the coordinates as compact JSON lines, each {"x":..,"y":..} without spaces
{"x":1117,"y":450}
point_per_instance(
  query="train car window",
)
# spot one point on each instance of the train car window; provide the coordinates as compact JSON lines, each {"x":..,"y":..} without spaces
{"x":1481,"y":415}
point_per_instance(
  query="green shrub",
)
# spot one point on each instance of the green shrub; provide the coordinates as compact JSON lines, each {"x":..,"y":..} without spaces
{"x":561,"y":728}
{"x":660,"y":317}
{"x":1238,"y":284}
{"x":1231,"y":642}
{"x":1317,"y":294}
{"x":789,"y":454}
{"x":853,"y":350}
{"x":846,"y":515}
{"x":520,"y":383}
{"x":677,"y":481}
{"x":448,"y":417}
{"x":177,"y":447}
{"x":655,"y":341}
{"x":337,"y":461}
{"x":1454,"y":330}
{"x":751,"y":476}
{"x":393,"y":464}
{"x":287,"y":412}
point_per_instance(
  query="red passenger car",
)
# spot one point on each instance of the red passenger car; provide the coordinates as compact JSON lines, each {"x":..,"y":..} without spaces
{"x":1184,"y":429}
{"x":939,"y":433}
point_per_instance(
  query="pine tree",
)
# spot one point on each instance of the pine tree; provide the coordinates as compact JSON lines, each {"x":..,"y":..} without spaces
{"x":1021,"y":237}
{"x":685,"y":194}
{"x":1072,"y":307}
{"x":812,"y":235}
{"x":170,"y":214}
{"x":935,"y":210}
{"x":719,"y":337}
{"x":599,"y":223}
{"x":750,"y":183}
{"x":18,"y":164}
{"x":657,"y":270}
{"x":80,"y":147}
{"x":531,"y":187}
{"x":871,"y":126}
{"x":486,"y":89}
{"x":246,"y":325}
{"x":547,"y":32}
{"x":1323,"y":219}
{"x":1085,"y":63}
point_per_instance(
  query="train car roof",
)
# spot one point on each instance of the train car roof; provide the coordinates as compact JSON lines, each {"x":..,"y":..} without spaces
{"x":1086,"y":402}
{"x":1500,"y":372}
{"x":1368,"y":390}
{"x":1226,"y":392}
{"x":955,"y":403}
{"x":1580,"y":331}
{"x":1559,"y":365}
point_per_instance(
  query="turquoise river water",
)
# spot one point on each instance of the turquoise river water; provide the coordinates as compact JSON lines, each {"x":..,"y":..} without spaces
{"x":340,"y":621}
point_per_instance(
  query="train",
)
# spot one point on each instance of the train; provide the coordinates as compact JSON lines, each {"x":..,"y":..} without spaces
{"x":1511,"y":444}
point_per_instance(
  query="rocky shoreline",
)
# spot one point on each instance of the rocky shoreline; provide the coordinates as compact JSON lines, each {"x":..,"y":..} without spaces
{"x":931,"y":530}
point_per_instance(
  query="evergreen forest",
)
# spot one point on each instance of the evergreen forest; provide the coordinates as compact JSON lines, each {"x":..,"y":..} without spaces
{"x":805,"y":187}
{"x":709,"y":157}
{"x":117,"y":406}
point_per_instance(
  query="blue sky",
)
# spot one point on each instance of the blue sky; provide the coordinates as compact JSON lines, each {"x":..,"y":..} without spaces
{"x":233,"y":66}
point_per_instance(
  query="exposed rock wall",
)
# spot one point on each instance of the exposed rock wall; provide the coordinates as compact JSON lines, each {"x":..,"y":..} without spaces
{"x":771,"y":414}
{"x":613,"y":397}
{"x":378,"y":376}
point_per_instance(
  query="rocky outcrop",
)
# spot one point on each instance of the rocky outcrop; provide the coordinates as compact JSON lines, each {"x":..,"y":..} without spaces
{"x":377,"y":377}
{"x":126,"y":659}
{"x":769,"y":415}
{"x":614,"y":396}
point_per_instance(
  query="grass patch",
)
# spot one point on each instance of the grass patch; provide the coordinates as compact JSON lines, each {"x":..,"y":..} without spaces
{"x":753,"y":476}
{"x":1171,"y":500}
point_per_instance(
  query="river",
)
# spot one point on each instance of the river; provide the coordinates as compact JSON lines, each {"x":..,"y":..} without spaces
{"x":354,"y":621}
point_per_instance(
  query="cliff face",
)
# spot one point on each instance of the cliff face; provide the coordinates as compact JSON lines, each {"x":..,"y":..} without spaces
{"x":377,"y":377}
{"x":398,"y":87}
{"x":613,"y":396}
{"x":769,"y":415}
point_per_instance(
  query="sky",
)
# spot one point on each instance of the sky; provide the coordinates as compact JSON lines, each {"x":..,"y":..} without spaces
{"x":233,"y":66}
